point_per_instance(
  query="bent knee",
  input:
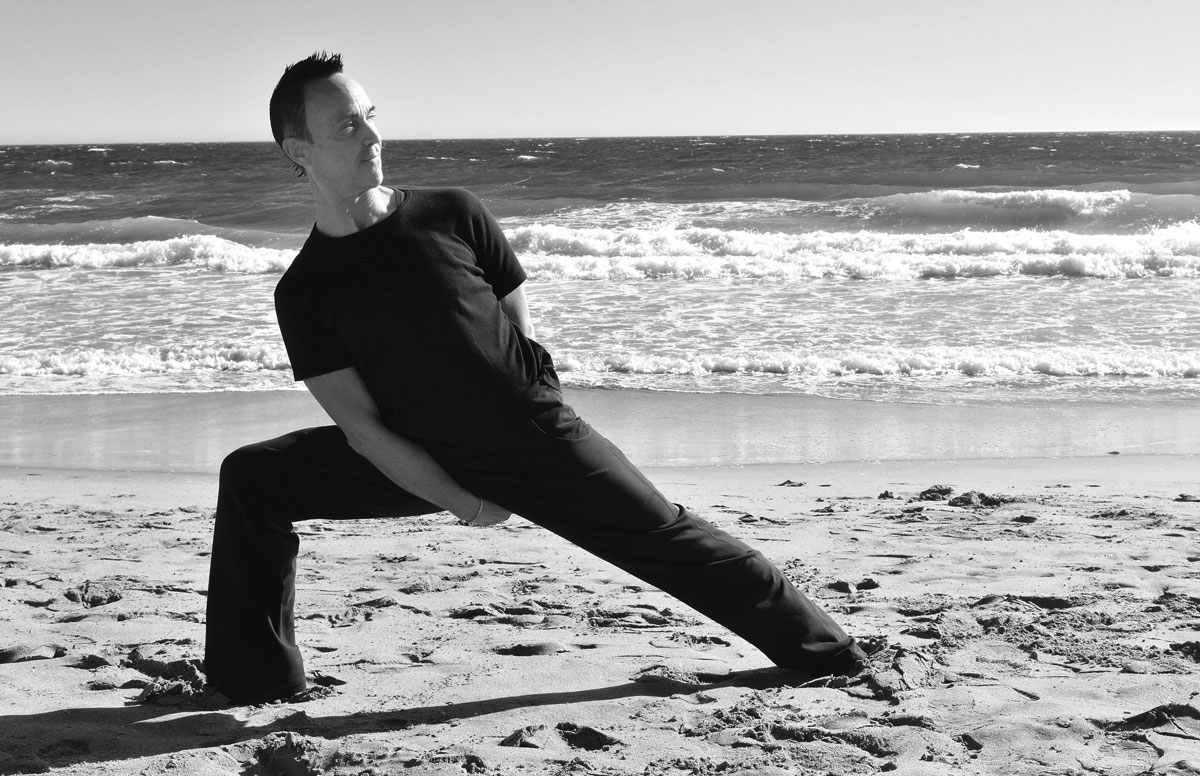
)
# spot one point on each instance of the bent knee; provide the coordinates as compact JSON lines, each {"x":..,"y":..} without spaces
{"x":249,"y":464}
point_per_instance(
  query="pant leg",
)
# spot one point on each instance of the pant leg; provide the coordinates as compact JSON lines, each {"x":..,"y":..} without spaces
{"x":250,"y":648}
{"x":569,"y":479}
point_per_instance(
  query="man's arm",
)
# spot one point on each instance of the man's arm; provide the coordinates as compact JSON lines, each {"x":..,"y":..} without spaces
{"x":517,"y":310}
{"x":344,"y":396}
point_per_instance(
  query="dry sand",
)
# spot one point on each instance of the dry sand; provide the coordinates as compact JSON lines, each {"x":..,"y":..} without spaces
{"x":1052,"y":629}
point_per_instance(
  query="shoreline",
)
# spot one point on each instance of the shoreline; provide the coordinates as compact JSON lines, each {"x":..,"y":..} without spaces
{"x":191,"y":433}
{"x":1108,"y":476}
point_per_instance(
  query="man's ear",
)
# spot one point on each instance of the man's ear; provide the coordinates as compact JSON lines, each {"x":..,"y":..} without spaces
{"x":296,"y":150}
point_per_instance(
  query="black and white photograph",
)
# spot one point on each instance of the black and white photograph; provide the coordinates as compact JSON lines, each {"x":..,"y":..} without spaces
{"x":579,"y":388}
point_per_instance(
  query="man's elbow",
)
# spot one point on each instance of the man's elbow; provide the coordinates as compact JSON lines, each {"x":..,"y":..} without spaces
{"x":361,"y":441}
{"x":519,"y":315}
{"x":356,"y":443}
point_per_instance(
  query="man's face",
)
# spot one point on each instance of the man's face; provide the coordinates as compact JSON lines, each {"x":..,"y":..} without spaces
{"x":344,"y":155}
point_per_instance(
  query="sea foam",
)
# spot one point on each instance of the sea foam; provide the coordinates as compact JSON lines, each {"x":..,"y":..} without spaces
{"x":1005,"y":363}
{"x":551,"y":252}
{"x":206,"y":251}
{"x":146,"y":360}
{"x":554,"y":252}
{"x":1009,"y":361}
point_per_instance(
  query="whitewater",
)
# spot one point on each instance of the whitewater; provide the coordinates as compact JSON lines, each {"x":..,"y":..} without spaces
{"x":947,"y":269}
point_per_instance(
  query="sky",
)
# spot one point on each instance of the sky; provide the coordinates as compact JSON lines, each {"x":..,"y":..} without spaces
{"x":109,"y":71}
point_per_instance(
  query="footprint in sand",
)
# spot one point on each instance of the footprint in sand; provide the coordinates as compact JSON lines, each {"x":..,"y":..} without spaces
{"x":526,"y":613}
{"x":529,"y":737}
{"x":484,"y":612}
{"x":898,"y":672}
{"x":1172,"y":729}
{"x":423,"y":585}
{"x":679,"y":678}
{"x":176,"y":676}
{"x":635,"y":616}
{"x":574,"y":736}
{"x":532,"y":650}
{"x":379,"y":603}
{"x":1189,"y":649}
{"x":360,"y":612}
{"x":434,"y":764}
{"x":681,"y":638}
{"x":91,"y":661}
{"x":292,"y":754}
{"x":22,"y":653}
{"x":92,"y":594}
{"x":950,"y":628}
{"x":584,"y":737}
{"x":166,"y":659}
{"x":846,"y":586}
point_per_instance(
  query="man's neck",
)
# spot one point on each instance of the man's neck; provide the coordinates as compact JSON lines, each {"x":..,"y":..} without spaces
{"x":345,"y":217}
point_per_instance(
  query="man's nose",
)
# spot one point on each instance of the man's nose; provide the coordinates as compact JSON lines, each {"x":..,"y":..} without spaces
{"x":371,"y":135}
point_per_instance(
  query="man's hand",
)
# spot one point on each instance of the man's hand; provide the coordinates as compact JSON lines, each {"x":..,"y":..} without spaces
{"x":488,"y":514}
{"x":345,"y":397}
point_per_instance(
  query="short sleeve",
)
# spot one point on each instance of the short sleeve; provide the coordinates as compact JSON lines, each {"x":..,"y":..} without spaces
{"x":312,"y":347}
{"x":493,"y":254}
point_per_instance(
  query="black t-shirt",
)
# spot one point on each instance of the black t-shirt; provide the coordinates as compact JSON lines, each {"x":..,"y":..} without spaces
{"x":412,"y":302}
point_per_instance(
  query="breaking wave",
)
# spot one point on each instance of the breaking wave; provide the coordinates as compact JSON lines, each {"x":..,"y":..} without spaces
{"x":204,"y":251}
{"x":941,"y":361}
{"x":82,"y":362}
{"x":553,"y":252}
{"x":933,"y":362}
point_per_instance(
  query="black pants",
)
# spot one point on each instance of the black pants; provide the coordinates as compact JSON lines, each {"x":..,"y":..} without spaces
{"x":549,"y":468}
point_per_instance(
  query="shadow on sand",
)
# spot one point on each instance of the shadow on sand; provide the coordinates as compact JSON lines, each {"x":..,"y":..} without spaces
{"x":33,"y":743}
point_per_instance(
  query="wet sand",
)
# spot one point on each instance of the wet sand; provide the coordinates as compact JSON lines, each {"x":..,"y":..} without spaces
{"x":193,"y":432}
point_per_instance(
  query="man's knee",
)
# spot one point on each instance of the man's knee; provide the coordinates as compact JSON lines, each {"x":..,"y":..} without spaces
{"x":242,"y":460}
{"x":249,"y":470}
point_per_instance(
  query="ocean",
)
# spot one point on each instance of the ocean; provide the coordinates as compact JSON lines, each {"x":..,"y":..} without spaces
{"x":936,"y":269}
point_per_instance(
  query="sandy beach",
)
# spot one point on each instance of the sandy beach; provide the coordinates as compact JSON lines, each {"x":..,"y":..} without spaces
{"x":1032,"y":615}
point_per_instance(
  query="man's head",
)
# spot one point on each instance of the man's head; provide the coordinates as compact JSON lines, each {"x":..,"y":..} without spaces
{"x":289,"y":118}
{"x":325,"y":124}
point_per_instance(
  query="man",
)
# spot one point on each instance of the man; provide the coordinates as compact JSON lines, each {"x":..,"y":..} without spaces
{"x":404,"y":315}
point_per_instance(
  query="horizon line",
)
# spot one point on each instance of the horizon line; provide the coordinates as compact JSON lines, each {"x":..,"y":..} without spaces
{"x":270,"y":141}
